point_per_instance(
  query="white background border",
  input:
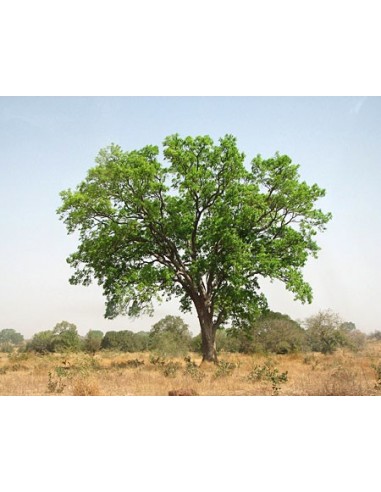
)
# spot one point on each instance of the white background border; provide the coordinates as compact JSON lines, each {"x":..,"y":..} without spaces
{"x":197,"y":48}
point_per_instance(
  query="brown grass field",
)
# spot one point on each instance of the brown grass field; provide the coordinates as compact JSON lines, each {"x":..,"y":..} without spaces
{"x":343,"y":373}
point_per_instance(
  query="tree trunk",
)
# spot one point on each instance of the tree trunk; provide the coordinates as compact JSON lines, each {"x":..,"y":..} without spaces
{"x":209,"y":352}
{"x":208,"y":335}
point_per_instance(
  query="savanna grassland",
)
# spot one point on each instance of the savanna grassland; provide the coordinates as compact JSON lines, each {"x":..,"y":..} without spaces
{"x":342,"y":373}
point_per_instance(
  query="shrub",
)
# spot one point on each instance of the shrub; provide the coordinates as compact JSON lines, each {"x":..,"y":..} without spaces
{"x":192,"y":370}
{"x":326,"y":333}
{"x":170,"y":337}
{"x":6,"y":347}
{"x":125,"y":341}
{"x":65,"y":338}
{"x":224,"y":368}
{"x":170,"y":369}
{"x":323,"y":332}
{"x":41,"y":342}
{"x":55,"y":383}
{"x":271,"y":332}
{"x":157,"y":360}
{"x":134,"y":363}
{"x":93,"y":341}
{"x":9,"y":335}
{"x":267,"y":372}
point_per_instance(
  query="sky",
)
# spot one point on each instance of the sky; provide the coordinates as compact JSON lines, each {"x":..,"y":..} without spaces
{"x":47,"y":144}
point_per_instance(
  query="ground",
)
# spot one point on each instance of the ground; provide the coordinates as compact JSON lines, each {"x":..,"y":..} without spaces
{"x":113,"y":373}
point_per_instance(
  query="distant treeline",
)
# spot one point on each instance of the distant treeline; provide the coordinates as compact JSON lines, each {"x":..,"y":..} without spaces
{"x":271,"y":333}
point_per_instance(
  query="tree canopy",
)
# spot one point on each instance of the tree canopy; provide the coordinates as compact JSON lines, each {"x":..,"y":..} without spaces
{"x":202,"y":227}
{"x":9,"y":335}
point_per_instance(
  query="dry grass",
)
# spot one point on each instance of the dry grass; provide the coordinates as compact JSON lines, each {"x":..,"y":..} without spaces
{"x":342,"y":373}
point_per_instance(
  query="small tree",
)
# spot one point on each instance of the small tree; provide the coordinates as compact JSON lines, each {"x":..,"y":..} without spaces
{"x":123,"y":340}
{"x":271,"y":332}
{"x":323,"y":332}
{"x":41,"y":342}
{"x":326,"y":332}
{"x":93,"y":341}
{"x":204,"y":228}
{"x":141,"y":341}
{"x":9,"y":335}
{"x":65,"y":338}
{"x":278,"y":333}
{"x":170,"y":336}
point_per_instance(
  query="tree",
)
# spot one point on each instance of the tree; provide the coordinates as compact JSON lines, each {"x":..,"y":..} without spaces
{"x":326,"y":332}
{"x":203,"y":228}
{"x":323,"y":332}
{"x":124,"y":340}
{"x":93,"y":341}
{"x":271,"y":332}
{"x":278,"y":333}
{"x":65,"y":338}
{"x":9,"y":335}
{"x":170,"y":336}
{"x":41,"y":342}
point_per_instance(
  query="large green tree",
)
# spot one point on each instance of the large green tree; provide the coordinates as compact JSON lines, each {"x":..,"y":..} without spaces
{"x":202,"y":227}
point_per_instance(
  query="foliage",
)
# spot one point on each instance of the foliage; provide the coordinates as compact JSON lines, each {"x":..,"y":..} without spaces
{"x":157,"y":360}
{"x":10,"y":336}
{"x":7,"y":347}
{"x":279,"y":334}
{"x":93,"y":341}
{"x":271,"y":332}
{"x":170,"y":336}
{"x":203,"y":227}
{"x":130,"y":364}
{"x":41,"y":342}
{"x":124,"y":340}
{"x":192,"y":370}
{"x":65,"y":338}
{"x":55,"y":383}
{"x":224,"y":368}
{"x":326,"y":332}
{"x":267,"y":372}
{"x":170,"y":369}
{"x":354,"y":340}
{"x":141,"y":339}
{"x":224,"y":342}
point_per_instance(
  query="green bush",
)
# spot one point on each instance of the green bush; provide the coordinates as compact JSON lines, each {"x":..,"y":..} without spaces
{"x":9,"y":335}
{"x":41,"y":342}
{"x":125,"y":341}
{"x":267,"y":372}
{"x":65,"y":338}
{"x":170,"y":337}
{"x":93,"y":341}
{"x":170,"y":369}
{"x":326,"y":333}
{"x":192,"y":370}
{"x":224,"y":369}
{"x":271,"y":332}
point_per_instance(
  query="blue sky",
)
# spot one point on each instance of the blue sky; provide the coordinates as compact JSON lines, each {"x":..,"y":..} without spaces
{"x":47,"y":144}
